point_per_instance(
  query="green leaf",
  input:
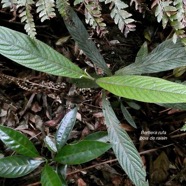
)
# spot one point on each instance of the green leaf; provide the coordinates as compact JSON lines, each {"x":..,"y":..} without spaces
{"x":127,"y":116}
{"x":181,"y":106}
{"x":183,"y":128}
{"x":50,"y":144}
{"x":84,"y":82}
{"x":81,"y":36}
{"x":144,"y":88}
{"x":81,"y":152}
{"x":36,"y":55}
{"x":17,"y":166}
{"x":49,"y":177}
{"x":62,"y":172}
{"x":65,"y":128}
{"x":17,"y":142}
{"x":123,"y":147}
{"x":77,"y":2}
{"x":142,"y":53}
{"x":165,"y":56}
{"x":98,"y":136}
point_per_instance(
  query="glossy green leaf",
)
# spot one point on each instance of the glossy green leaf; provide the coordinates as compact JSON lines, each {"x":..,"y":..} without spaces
{"x":128,"y":116}
{"x":50,"y":144}
{"x":62,"y":172}
{"x":81,"y":152}
{"x":36,"y":55}
{"x":165,"y":56}
{"x":98,"y":136}
{"x":123,"y":147}
{"x":65,"y":128}
{"x":144,"y":88}
{"x":17,"y":142}
{"x":17,"y":166}
{"x":49,"y":177}
{"x":81,"y":36}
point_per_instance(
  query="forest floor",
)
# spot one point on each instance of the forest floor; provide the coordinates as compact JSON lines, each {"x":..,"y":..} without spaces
{"x":36,"y":113}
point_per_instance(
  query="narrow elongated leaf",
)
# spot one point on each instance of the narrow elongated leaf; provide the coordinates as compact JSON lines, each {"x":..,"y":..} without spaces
{"x":49,"y":177}
{"x":17,"y":166}
{"x":181,"y":106}
{"x":17,"y":142}
{"x":127,"y":116}
{"x":123,"y":147}
{"x":81,"y":152}
{"x":144,"y":88}
{"x":142,"y":53}
{"x":166,"y":56}
{"x":35,"y":54}
{"x":65,"y":128}
{"x":81,"y":36}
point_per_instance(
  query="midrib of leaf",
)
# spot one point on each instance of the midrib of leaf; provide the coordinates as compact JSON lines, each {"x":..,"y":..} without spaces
{"x":36,"y":55}
{"x":166,"y":56}
{"x":81,"y":36}
{"x":117,"y":132}
{"x":50,"y":179}
{"x":137,"y":86}
{"x":123,"y":147}
{"x":66,"y":65}
{"x":20,"y":145}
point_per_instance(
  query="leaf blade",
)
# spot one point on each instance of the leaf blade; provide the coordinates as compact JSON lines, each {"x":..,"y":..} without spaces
{"x":49,"y":177}
{"x":81,"y":152}
{"x":35,"y":54}
{"x":144,"y":88}
{"x":81,"y":36}
{"x":17,"y":142}
{"x":50,"y":144}
{"x":123,"y":147}
{"x":128,"y":116}
{"x":165,"y":57}
{"x":65,"y":127}
{"x":17,"y":166}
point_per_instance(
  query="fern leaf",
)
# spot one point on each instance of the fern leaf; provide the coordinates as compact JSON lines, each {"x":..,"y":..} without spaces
{"x":62,"y":6}
{"x":8,"y":3}
{"x":76,"y":2}
{"x":93,"y":16}
{"x":120,"y":16}
{"x":45,"y":8}
{"x":23,"y":3}
{"x":27,"y":17}
{"x":172,"y":12}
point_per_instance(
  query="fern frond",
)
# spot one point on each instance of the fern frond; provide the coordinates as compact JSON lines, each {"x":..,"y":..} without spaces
{"x":120,"y":16}
{"x":27,"y":17}
{"x":138,"y":5}
{"x":23,"y":3}
{"x":45,"y":8}
{"x":62,"y":6}
{"x":76,"y":2}
{"x":8,"y":3}
{"x":93,"y":16}
{"x":172,"y":12}
{"x":162,"y":8}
